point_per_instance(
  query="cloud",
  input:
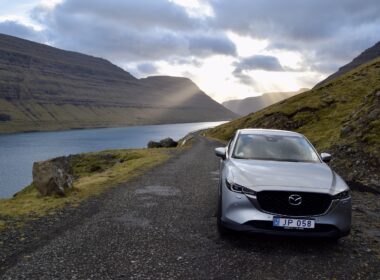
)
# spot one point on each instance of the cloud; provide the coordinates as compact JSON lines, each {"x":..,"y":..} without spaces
{"x":185,"y":61}
{"x":259,"y":62}
{"x":293,"y":19}
{"x":147,"y":68}
{"x":244,"y":78}
{"x":325,"y":32}
{"x":130,"y":31}
{"x":17,"y":29}
{"x":206,"y":45}
{"x":255,"y":62}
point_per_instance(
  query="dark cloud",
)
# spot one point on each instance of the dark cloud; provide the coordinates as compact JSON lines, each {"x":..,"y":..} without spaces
{"x":17,"y":29}
{"x":243,"y":78}
{"x":147,"y":68}
{"x":127,"y":31}
{"x":141,"y":14}
{"x":293,"y":19}
{"x":325,"y":32}
{"x":205,"y":45}
{"x":259,"y":62}
{"x":185,"y":61}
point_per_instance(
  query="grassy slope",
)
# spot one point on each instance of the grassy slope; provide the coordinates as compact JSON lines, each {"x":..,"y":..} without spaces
{"x":94,"y":173}
{"x":348,"y":102}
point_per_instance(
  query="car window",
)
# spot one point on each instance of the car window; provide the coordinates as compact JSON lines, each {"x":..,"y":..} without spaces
{"x":230,"y":144}
{"x":274,"y":147}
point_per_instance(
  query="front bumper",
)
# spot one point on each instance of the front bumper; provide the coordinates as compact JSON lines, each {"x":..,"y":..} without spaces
{"x":243,"y":213}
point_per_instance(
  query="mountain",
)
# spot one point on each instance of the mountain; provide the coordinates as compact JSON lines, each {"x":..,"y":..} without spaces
{"x":366,"y":56}
{"x":45,"y":88}
{"x":342,"y":116}
{"x":253,"y":104}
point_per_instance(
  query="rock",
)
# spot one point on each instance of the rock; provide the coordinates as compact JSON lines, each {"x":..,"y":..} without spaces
{"x":53,"y":176}
{"x":153,"y":144}
{"x":375,"y":183}
{"x":5,"y":118}
{"x":345,"y":130}
{"x":377,"y":94}
{"x":373,"y":115}
{"x":350,"y":177}
{"x":164,"y":143}
{"x":168,"y":143}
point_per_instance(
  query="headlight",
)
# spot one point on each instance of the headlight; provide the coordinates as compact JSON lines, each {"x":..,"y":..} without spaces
{"x":234,"y":187}
{"x":342,"y":195}
{"x":239,"y":189}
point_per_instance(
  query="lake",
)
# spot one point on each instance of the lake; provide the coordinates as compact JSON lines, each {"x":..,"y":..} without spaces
{"x":19,"y":151}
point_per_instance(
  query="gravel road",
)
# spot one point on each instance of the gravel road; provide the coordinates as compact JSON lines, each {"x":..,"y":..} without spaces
{"x":162,"y":226}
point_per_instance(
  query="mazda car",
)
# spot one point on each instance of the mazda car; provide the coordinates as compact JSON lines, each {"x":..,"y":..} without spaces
{"x":275,"y":182}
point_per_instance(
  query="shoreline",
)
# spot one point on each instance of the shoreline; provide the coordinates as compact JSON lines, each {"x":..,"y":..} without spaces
{"x":2,"y":133}
{"x":41,"y":146}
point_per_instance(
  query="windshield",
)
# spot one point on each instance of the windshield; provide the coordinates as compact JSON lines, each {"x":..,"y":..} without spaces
{"x":274,"y":147}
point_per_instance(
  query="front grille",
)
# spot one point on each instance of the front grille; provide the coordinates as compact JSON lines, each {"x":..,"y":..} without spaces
{"x":277,"y":202}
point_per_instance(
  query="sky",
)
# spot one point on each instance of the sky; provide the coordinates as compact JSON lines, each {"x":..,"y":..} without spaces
{"x":230,"y":49}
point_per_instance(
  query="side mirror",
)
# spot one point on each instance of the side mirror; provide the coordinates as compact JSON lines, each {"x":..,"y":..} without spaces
{"x":220,"y":152}
{"x":326,"y":157}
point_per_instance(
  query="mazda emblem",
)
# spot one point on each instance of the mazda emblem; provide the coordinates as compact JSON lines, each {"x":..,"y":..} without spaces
{"x":295,"y":199}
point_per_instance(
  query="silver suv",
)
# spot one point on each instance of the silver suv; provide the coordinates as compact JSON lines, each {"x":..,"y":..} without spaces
{"x":274,"y":182}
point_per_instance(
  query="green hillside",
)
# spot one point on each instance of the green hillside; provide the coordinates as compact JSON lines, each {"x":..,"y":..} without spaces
{"x":341,"y":117}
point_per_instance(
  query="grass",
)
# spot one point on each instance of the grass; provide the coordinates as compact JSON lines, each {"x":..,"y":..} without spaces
{"x":94,"y":173}
{"x":2,"y":225}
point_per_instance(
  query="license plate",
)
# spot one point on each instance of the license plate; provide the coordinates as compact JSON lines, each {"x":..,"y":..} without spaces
{"x":293,"y":223}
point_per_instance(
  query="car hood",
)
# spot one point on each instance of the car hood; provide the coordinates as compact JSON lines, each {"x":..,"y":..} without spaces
{"x":278,"y":175}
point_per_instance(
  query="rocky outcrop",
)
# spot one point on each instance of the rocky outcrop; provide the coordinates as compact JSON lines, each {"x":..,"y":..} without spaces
{"x":53,"y":177}
{"x":164,"y":143}
{"x":5,"y":118}
{"x":153,"y":144}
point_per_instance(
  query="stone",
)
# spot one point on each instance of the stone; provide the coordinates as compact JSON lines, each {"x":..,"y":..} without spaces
{"x":168,"y":143}
{"x":345,"y":130}
{"x":164,"y":143}
{"x":373,"y":115}
{"x":54,"y":176}
{"x":375,"y":183}
{"x":377,"y":94}
{"x":153,"y":144}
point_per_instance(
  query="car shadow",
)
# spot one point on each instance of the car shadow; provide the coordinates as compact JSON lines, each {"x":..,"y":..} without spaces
{"x":275,"y":244}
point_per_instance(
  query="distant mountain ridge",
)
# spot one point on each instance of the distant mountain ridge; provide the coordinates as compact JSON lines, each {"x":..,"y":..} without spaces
{"x":253,"y":104}
{"x":45,"y":88}
{"x":366,"y":56}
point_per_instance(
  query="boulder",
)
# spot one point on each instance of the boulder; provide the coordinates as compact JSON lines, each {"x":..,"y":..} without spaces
{"x":168,"y":143}
{"x":53,"y":176}
{"x":153,"y":144}
{"x":164,"y":143}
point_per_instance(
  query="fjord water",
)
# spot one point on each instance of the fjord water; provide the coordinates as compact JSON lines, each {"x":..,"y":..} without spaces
{"x":19,"y":151}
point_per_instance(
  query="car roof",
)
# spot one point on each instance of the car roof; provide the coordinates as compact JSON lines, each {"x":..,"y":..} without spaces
{"x":262,"y":131}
